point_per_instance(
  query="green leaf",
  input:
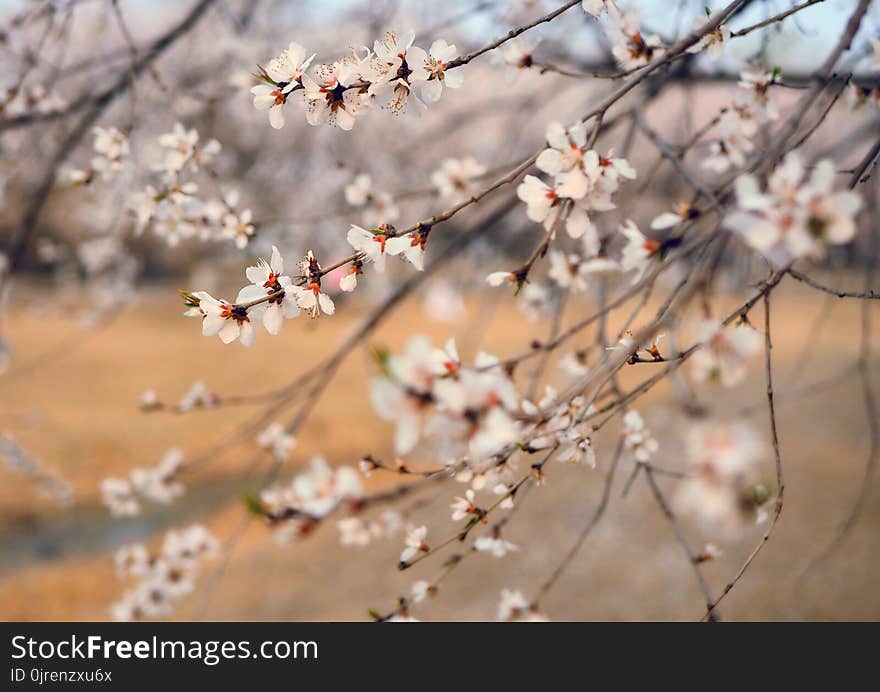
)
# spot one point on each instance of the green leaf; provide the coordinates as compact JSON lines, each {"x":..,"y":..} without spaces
{"x":254,"y":505}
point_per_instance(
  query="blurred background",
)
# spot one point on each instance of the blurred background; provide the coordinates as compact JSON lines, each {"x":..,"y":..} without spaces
{"x":93,"y":319}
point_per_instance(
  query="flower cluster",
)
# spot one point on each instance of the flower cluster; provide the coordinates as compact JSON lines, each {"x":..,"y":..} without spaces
{"x":394,"y":73}
{"x":514,"y":607}
{"x":277,"y":440}
{"x":630,"y":46}
{"x":157,"y":484}
{"x":724,"y":353}
{"x":712,"y":42}
{"x":197,"y":396}
{"x":270,"y":297}
{"x":455,"y":177}
{"x":560,"y":424}
{"x":741,"y":121}
{"x":378,"y":207}
{"x":596,"y":7}
{"x":309,"y":497}
{"x":173,"y":209}
{"x":515,"y":55}
{"x":111,"y":155}
{"x":572,"y":271}
{"x":164,"y":578}
{"x":719,"y":492}
{"x":637,"y":437}
{"x":426,"y":390}
{"x":582,"y":177}
{"x":797,"y":214}
{"x":376,"y":244}
{"x":355,"y":531}
{"x":30,"y":98}
{"x":414,"y":544}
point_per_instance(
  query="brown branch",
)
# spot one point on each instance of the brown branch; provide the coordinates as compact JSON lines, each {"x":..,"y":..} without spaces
{"x":777,"y":459}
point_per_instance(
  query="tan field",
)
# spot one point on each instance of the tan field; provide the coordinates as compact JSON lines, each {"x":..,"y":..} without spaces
{"x":75,"y":409}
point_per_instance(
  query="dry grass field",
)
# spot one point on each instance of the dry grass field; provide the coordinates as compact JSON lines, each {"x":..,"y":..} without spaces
{"x":76,"y":411}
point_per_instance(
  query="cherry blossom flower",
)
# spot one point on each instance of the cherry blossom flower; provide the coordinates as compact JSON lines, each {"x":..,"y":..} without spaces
{"x":310,"y":496}
{"x":379,"y":207}
{"x":631,"y":48}
{"x":414,"y":544}
{"x":268,"y":279}
{"x":283,"y":73}
{"x":595,"y":7}
{"x":724,"y":354}
{"x":444,"y":302}
{"x":183,"y":150}
{"x":197,"y":396}
{"x":496,"y":430}
{"x":517,"y":54}
{"x":431,"y":68}
{"x":423,"y":589}
{"x":390,"y":74}
{"x":148,"y":400}
{"x":576,"y":446}
{"x":410,"y":246}
{"x":534,"y":300}
{"x":512,"y":604}
{"x":463,"y":506}
{"x":313,"y":301}
{"x":164,"y":578}
{"x":289,"y":65}
{"x":77,"y":177}
{"x":454,"y":179}
{"x":371,"y":243}
{"x":353,"y":531}
{"x":638,"y":251}
{"x":238,"y":227}
{"x":495,"y":279}
{"x":494,"y":545}
{"x":683,"y":212}
{"x":581,"y":175}
{"x":329,"y":98}
{"x":637,"y":437}
{"x":276,"y":439}
{"x":227,"y":321}
{"x":541,"y":200}
{"x":710,"y":552}
{"x":628,"y":345}
{"x":158,"y":483}
{"x":797,"y":214}
{"x":446,"y":361}
{"x":132,"y":560}
{"x":119,"y":496}
{"x":403,"y":398}
{"x":756,"y":84}
{"x":569,"y":271}
{"x":574,"y":365}
{"x":712,"y":42}
{"x":348,"y":282}
{"x":310,"y":298}
{"x":727,"y":153}
{"x":514,"y":607}
{"x":722,"y":460}
{"x":112,"y":148}
{"x":566,"y":149}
